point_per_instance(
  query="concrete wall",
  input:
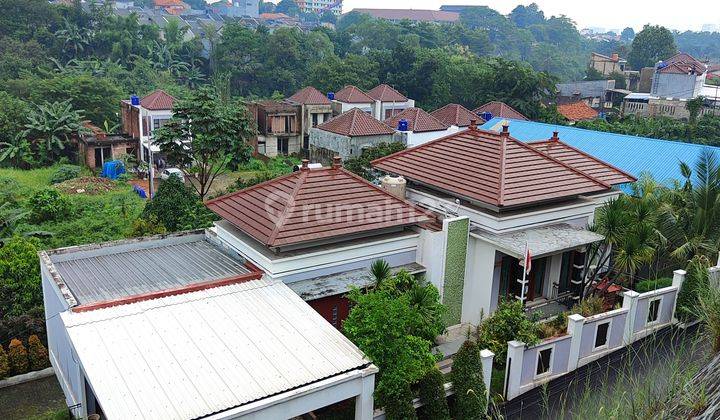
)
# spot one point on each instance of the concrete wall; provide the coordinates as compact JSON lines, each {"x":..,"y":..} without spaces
{"x":346,"y":147}
{"x":413,"y":139}
{"x":588,"y":89}
{"x":478,"y":299}
{"x":270,"y":148}
{"x":679,"y":86}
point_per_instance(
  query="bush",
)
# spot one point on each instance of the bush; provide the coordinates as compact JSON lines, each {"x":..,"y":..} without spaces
{"x":38,"y":354}
{"x":509,"y":322}
{"x":696,"y":280}
{"x":467,"y":379}
{"x":555,"y":328}
{"x":20,"y":288}
{"x":64,"y":173}
{"x":48,"y":204}
{"x":147,"y":227}
{"x":9,"y":190}
{"x":589,"y":306}
{"x":648,"y":285}
{"x":708,"y":311}
{"x":4,"y":363}
{"x":432,"y":394}
{"x":18,"y":357}
{"x":177,"y":207}
{"x":361,"y":165}
{"x":32,"y":322}
{"x":395,"y":395}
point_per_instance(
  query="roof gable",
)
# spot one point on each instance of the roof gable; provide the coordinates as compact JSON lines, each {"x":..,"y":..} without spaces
{"x":577,"y":111}
{"x":310,"y":96}
{"x":157,"y":101}
{"x":341,"y":203}
{"x":385,"y":93}
{"x":353,"y":95}
{"x":500,"y":109}
{"x":490,"y":168}
{"x":454,"y":114}
{"x":418,"y":120}
{"x":356,"y":123}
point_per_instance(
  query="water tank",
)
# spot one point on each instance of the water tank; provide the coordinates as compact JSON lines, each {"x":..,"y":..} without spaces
{"x":395,"y":185}
{"x":331,"y":96}
{"x":134,"y":100}
{"x":661,"y":65}
{"x":486,"y":116}
{"x":402,"y":125}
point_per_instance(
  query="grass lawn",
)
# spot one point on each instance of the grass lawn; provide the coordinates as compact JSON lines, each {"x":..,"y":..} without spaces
{"x":31,"y":180}
{"x":40,"y":399}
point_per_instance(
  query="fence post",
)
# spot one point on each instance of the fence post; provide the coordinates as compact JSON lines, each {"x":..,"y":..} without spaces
{"x":678,"y":279}
{"x":630,"y":300}
{"x":513,"y":368}
{"x":575,"y":329}
{"x":486,"y":357}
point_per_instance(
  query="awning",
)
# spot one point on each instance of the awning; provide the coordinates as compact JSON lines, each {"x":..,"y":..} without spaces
{"x":542,"y":241}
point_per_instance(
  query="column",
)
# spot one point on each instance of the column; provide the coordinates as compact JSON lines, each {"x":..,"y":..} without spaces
{"x":678,"y":279}
{"x":486,"y":357}
{"x":630,"y":300}
{"x":513,"y":369}
{"x":575,"y":329}
{"x":364,"y":402}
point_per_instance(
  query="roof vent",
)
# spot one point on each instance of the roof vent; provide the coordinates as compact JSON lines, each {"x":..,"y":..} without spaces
{"x":473,"y":124}
{"x":555,"y":136}
{"x":505,"y":130}
{"x":331,"y":96}
{"x":337,"y":162}
{"x":402,"y":125}
{"x":134,"y":100}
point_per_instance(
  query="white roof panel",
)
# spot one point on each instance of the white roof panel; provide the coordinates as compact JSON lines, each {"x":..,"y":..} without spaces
{"x":191,"y":355}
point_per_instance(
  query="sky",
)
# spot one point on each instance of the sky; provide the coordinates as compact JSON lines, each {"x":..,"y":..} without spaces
{"x":608,"y":14}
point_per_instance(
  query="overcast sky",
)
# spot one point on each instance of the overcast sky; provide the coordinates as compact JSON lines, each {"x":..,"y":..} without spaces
{"x":608,"y":14}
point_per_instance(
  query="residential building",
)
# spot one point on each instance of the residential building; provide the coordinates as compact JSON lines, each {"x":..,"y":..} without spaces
{"x":351,"y":97}
{"x":456,"y":116}
{"x":577,"y":111}
{"x":320,"y":6}
{"x":607,"y":65}
{"x":173,"y":7}
{"x":388,"y":101}
{"x":680,"y":76}
{"x":347,"y":135}
{"x":97,"y":146}
{"x":415,"y":127}
{"x":497,"y":109}
{"x":279,"y":19}
{"x":598,"y":94}
{"x":279,"y":124}
{"x":182,"y":326}
{"x":142,"y":116}
{"x":647,"y":105}
{"x":235,"y":8}
{"x":316,"y":108}
{"x":414,"y":15}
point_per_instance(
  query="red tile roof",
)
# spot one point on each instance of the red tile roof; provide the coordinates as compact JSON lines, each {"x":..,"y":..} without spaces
{"x":340,"y":203}
{"x":577,"y":111}
{"x":411,"y":14}
{"x":356,"y":123}
{"x":158,"y":100}
{"x":385,"y":93}
{"x":500,"y":109}
{"x":490,"y":168}
{"x":683,"y":63}
{"x":418,"y":120}
{"x":582,"y":161}
{"x":310,"y":96}
{"x":353,"y":95}
{"x":454,"y":114}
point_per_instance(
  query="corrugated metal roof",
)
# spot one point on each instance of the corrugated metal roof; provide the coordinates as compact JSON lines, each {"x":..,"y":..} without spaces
{"x":110,"y":273}
{"x":634,"y":155}
{"x":191,"y":355}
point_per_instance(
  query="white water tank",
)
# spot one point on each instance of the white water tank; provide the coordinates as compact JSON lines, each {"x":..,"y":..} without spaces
{"x":395,"y":185}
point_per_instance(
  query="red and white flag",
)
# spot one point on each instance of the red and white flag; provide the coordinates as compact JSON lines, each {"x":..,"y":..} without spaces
{"x":528,"y":259}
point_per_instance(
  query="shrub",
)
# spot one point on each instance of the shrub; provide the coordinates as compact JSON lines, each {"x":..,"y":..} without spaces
{"x":20,"y":288}
{"x":555,"y":328}
{"x":4,"y":363}
{"x":395,"y":395}
{"x":467,"y":379}
{"x":18,"y":357}
{"x":48,"y":204}
{"x":38,"y":354}
{"x":589,"y":306}
{"x":31,"y":322}
{"x":177,"y":207}
{"x":432,"y":394}
{"x":242,"y":183}
{"x":147,"y":227}
{"x":708,"y":311}
{"x":509,"y":322}
{"x":648,"y":285}
{"x":64,"y":173}
{"x":696,"y":280}
{"x":10,"y":190}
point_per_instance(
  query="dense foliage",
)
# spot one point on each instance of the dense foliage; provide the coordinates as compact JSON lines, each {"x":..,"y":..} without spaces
{"x":508,"y":322}
{"x":177,"y":207}
{"x":653,"y":284}
{"x":19,"y":277}
{"x":696,"y":281}
{"x":431,"y":391}
{"x":705,"y":130}
{"x":467,"y":379}
{"x":652,"y":44}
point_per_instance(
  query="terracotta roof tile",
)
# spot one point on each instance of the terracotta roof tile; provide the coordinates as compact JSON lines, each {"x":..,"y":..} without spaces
{"x":577,"y":111}
{"x":454,"y":114}
{"x":275,"y":212}
{"x":418,"y":120}
{"x":385,"y":93}
{"x":412,"y":14}
{"x":353,"y":95}
{"x":158,"y":100}
{"x":500,"y":109}
{"x":310,"y":96}
{"x":355,"y":123}
{"x":490,"y":168}
{"x":582,"y":161}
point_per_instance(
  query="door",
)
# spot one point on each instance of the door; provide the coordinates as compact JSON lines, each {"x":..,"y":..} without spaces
{"x":536,"y":279}
{"x":566,"y":270}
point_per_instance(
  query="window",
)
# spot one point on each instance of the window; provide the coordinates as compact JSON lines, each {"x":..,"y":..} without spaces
{"x":282,"y":146}
{"x":314,"y":119}
{"x":653,"y":310}
{"x":544,"y":360}
{"x":335,"y":316}
{"x":159,"y":122}
{"x":601,"y":334}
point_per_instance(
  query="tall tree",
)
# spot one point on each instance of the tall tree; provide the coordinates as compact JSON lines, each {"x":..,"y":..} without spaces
{"x":627,"y":34}
{"x":524,"y":16}
{"x":652,"y":44}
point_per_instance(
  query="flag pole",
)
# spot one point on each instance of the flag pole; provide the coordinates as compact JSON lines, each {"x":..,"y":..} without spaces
{"x":522,"y":285}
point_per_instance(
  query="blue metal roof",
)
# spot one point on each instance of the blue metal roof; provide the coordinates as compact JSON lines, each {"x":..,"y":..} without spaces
{"x":635,"y":155}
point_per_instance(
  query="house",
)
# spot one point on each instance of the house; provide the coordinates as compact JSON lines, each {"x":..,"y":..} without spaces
{"x":235,"y":8}
{"x":577,"y":111}
{"x":632,"y":154}
{"x":607,"y":65}
{"x":280,"y":130}
{"x":497,"y":109}
{"x":388,"y":101}
{"x":415,"y":127}
{"x":142,"y":116}
{"x":351,"y":97}
{"x":97,"y":146}
{"x":278,"y":19}
{"x":456,"y":116}
{"x":598,"y":94}
{"x":320,"y":6}
{"x":413,"y":15}
{"x":680,"y":76}
{"x":173,"y":7}
{"x":320,"y":233}
{"x":182,"y":327}
{"x":347,"y":135}
{"x":316,"y":108}
{"x":500,"y":194}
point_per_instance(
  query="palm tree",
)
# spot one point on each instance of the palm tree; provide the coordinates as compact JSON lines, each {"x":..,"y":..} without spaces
{"x":380,"y":270}
{"x":74,"y":38}
{"x":50,"y":126}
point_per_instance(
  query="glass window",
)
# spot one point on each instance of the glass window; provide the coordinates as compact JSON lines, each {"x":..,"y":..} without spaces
{"x":601,"y":334}
{"x":159,"y":122}
{"x":653,"y":311}
{"x":543,"y":361}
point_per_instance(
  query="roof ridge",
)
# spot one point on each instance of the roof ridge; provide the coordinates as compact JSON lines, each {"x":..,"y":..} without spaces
{"x":283,"y":216}
{"x":351,"y":130}
{"x":501,"y":172}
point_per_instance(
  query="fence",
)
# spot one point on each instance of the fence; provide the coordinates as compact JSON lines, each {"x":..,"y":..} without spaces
{"x":590,"y":338}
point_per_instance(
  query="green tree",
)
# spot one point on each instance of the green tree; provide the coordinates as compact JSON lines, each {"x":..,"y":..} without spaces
{"x":508,"y":322}
{"x":694,"y":106}
{"x":627,"y":34}
{"x":652,"y":44}
{"x":50,"y":127}
{"x":204,"y":136}
{"x":524,"y":16}
{"x":20,"y":288}
{"x":467,"y":379}
{"x":289,"y":7}
{"x":74,"y":39}
{"x":432,"y":394}
{"x":176,"y":207}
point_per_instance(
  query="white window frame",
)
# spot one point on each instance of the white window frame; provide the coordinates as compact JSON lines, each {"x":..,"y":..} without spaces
{"x":658,"y":299}
{"x":548,"y":372}
{"x":607,"y":336}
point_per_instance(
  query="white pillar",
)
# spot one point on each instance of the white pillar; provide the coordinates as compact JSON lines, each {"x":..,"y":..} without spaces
{"x":513,"y":369}
{"x":364,"y":401}
{"x":630,"y":300}
{"x":486,"y":357}
{"x":678,"y":279}
{"x":575,"y":329}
